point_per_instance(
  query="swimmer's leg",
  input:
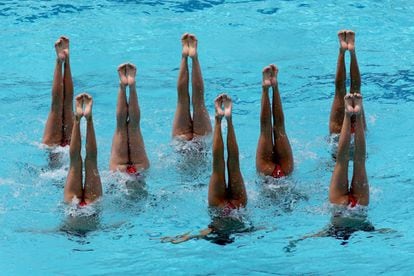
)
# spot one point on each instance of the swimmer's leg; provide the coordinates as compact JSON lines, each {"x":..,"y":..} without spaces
{"x":183,"y":125}
{"x":282,"y":150}
{"x":73,"y":186}
{"x":236,"y":189}
{"x":68,"y":94}
{"x":93,"y":186}
{"x":217,"y":186}
{"x":354,"y":69}
{"x":264,"y":153}
{"x":119,"y":151}
{"x":359,"y":184}
{"x":337,"y":109}
{"x":201,"y":119}
{"x":138,"y":156}
{"x":53,"y":130}
{"x":338,"y":190}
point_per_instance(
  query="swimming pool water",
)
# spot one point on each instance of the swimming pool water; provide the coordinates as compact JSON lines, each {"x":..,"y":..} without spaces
{"x":236,"y":40}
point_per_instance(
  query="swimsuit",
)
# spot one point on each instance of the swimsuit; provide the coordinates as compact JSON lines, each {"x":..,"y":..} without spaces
{"x":228,"y":208}
{"x":352,"y":201}
{"x":130,"y":169}
{"x":65,"y":143}
{"x":82,"y":203}
{"x":277,"y":172}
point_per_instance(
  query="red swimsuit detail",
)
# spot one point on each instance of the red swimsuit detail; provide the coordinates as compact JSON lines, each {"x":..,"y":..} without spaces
{"x":352,"y":201}
{"x":277,"y":172}
{"x":228,"y":208}
{"x":131,"y":169}
{"x":64,"y":143}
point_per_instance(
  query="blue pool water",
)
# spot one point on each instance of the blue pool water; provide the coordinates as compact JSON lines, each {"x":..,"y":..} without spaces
{"x":236,"y":40}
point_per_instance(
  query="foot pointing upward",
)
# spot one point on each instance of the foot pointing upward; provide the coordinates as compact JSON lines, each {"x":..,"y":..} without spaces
{"x":184,"y":42}
{"x":87,"y":101}
{"x":228,"y":105}
{"x":131,"y":72}
{"x":218,"y":103}
{"x":267,"y":77}
{"x":357,"y":104}
{"x":79,"y":107}
{"x":192,"y":46}
{"x":123,"y":80}
{"x":343,"y":45}
{"x":275,"y":71}
{"x":350,"y":40}
{"x":60,"y":50}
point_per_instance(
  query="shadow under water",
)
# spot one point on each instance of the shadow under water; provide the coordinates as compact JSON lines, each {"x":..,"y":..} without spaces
{"x":344,"y":222}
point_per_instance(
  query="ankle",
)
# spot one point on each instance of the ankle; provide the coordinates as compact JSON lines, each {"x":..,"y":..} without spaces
{"x":132,"y":85}
{"x":122,"y":85}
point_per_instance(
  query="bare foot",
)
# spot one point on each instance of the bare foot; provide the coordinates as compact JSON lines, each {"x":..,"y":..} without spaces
{"x":60,"y":50}
{"x":123,"y":80}
{"x":131,"y":71}
{"x":192,"y":46}
{"x":184,"y":42}
{"x":275,"y":71}
{"x":79,"y":107}
{"x":228,"y":105}
{"x":218,"y":102}
{"x":350,"y":40}
{"x":267,"y":77}
{"x":343,"y":46}
{"x":357,"y":103}
{"x":349,"y":109}
{"x":87,"y":101}
{"x":65,"y":44}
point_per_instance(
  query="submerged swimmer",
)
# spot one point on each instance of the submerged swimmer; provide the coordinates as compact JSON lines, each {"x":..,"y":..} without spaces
{"x":128,"y":150}
{"x":184,"y":127}
{"x":222,"y":198}
{"x":274,"y":154}
{"x":358,"y":192}
{"x":233,"y":195}
{"x":349,"y":202}
{"x":60,"y":120}
{"x":346,"y":43}
{"x":74,"y":189}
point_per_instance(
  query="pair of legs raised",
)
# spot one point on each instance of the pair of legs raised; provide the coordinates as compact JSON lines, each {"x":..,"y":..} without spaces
{"x":60,"y":120}
{"x":128,"y":150}
{"x":274,"y":154}
{"x":92,"y":189}
{"x":339,"y":193}
{"x":185,"y":127}
{"x":346,"y":43}
{"x":220,"y":194}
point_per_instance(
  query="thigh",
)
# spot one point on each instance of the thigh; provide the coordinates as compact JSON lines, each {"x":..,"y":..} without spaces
{"x":217,"y":190}
{"x":283,"y":154}
{"x":119,"y":151}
